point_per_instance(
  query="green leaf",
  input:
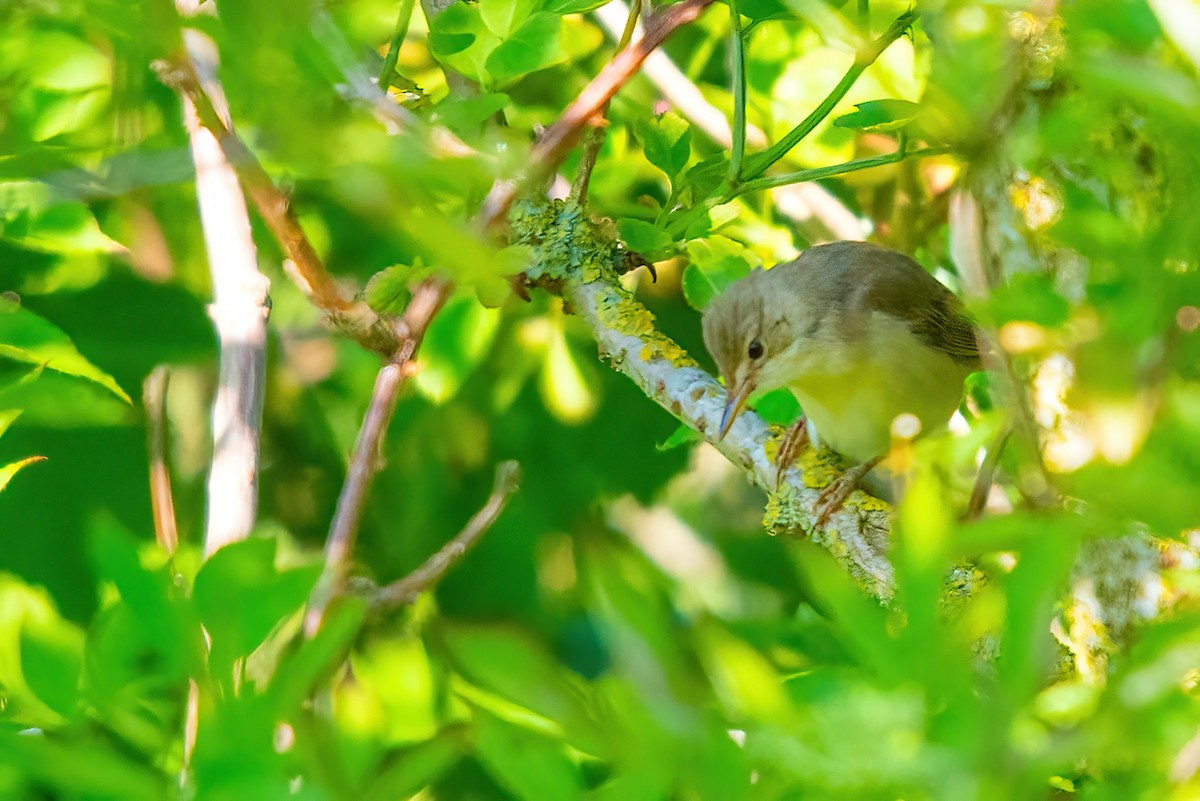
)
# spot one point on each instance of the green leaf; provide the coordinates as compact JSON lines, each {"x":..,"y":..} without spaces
{"x":60,"y":62}
{"x":533,"y":47}
{"x":667,"y":142}
{"x":643,"y":237}
{"x":57,"y":400}
{"x":762,"y":10}
{"x":153,"y":619}
{"x":242,"y":597}
{"x":504,"y":17}
{"x":7,"y":418}
{"x":448,"y":44}
{"x":778,"y":407}
{"x":26,"y":337}
{"x":68,"y":228}
{"x":704,"y":177}
{"x":406,"y":772}
{"x":516,"y":668}
{"x":683,"y":435}
{"x":716,"y":263}
{"x":534,"y":767}
{"x":459,"y":38}
{"x":387,"y":292}
{"x":300,"y":671}
{"x":574,"y":6}
{"x":463,"y":114}
{"x":52,"y":662}
{"x":877,"y":116}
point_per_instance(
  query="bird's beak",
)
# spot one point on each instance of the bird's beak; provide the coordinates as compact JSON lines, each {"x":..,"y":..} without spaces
{"x":735,"y":399}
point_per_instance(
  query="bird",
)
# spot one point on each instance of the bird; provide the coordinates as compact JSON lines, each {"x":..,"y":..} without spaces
{"x":860,"y":334}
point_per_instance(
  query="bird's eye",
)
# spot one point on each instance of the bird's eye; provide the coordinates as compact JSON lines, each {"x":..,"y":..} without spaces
{"x":755,"y":351}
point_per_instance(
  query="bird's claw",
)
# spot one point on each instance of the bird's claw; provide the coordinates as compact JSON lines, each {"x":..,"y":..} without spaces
{"x":834,"y":495}
{"x":793,"y":442}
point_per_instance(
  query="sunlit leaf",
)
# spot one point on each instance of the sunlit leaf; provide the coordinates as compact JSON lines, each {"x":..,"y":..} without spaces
{"x":643,"y":237}
{"x":52,"y":663}
{"x":683,"y":435}
{"x":716,"y":263}
{"x":242,"y":596}
{"x":877,"y":116}
{"x":564,"y":385}
{"x":667,"y":142}
{"x":504,"y":17}
{"x":12,"y":468}
{"x":532,"y":766}
{"x":574,"y":6}
{"x":531,"y":47}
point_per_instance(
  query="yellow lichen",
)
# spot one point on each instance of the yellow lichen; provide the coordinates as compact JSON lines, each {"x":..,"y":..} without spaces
{"x":784,"y":513}
{"x":626,"y":316}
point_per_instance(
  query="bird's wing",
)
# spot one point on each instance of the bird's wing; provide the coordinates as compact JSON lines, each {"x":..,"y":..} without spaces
{"x":902,"y":288}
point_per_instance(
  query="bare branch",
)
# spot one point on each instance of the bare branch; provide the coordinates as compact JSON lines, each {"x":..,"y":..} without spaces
{"x":154,"y":399}
{"x":364,"y":463}
{"x":239,"y":311}
{"x":425,"y":577}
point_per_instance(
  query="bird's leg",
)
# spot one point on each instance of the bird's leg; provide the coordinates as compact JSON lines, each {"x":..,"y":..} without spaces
{"x":794,"y":440}
{"x":833,"y":496}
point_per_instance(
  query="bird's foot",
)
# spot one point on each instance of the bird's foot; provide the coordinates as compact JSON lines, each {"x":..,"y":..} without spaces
{"x":793,"y":442}
{"x":834,"y":495}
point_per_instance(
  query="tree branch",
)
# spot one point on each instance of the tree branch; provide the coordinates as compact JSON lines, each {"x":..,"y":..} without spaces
{"x":425,"y":577}
{"x":239,"y":309}
{"x":366,"y":459}
{"x":154,"y":399}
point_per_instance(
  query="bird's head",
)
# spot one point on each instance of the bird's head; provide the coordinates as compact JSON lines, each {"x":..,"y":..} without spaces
{"x":754,"y":331}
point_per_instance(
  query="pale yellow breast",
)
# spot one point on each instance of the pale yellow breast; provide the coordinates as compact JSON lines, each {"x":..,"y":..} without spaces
{"x":870,"y":383}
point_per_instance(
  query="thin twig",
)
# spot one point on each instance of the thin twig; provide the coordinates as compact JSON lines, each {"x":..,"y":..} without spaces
{"x":363,"y":466}
{"x":425,"y":577}
{"x":366,"y":459}
{"x":817,"y":173}
{"x":154,"y":399}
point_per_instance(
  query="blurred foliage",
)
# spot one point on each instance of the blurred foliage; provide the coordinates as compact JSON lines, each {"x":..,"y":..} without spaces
{"x":626,"y":630}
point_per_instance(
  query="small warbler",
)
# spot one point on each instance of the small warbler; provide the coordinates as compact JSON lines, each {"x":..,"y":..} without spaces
{"x":859,"y":334}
